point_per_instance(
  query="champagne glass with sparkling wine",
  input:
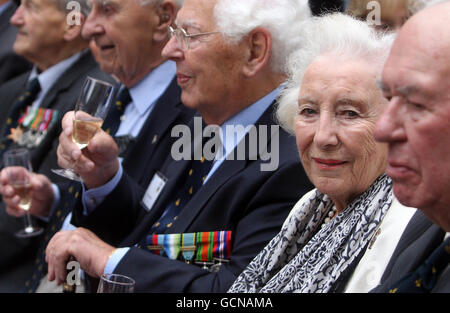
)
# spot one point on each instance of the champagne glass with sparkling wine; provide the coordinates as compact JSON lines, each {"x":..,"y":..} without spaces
{"x":18,"y":166}
{"x":90,"y":111}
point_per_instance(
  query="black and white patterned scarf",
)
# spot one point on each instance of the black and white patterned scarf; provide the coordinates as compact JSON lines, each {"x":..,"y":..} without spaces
{"x":304,"y":257}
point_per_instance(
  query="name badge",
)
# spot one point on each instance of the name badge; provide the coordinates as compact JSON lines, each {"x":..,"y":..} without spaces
{"x":154,"y":190}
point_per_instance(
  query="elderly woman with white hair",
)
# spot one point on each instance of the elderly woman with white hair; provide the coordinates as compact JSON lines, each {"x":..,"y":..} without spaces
{"x":340,"y":236}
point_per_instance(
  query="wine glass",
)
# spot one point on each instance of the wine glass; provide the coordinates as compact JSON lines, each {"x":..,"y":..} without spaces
{"x":90,"y":111}
{"x":115,"y":283}
{"x":18,"y":168}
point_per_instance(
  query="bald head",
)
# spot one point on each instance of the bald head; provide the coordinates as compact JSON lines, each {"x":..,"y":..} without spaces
{"x":431,"y":27}
{"x":416,"y":122}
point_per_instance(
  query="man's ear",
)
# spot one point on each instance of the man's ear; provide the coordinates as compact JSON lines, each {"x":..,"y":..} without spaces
{"x":167,"y":12}
{"x":73,"y":29}
{"x":259,"y":51}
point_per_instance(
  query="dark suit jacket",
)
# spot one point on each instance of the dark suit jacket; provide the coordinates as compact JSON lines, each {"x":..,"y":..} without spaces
{"x":11,"y":64}
{"x":153,"y":145}
{"x":17,"y":255}
{"x":237,"y":197}
{"x":417,"y":242}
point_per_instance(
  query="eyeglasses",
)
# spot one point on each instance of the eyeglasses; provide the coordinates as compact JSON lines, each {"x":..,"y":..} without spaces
{"x":183,"y":38}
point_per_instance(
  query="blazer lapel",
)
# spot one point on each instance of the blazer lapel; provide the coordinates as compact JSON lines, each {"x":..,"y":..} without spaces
{"x":413,"y":231}
{"x":155,"y":127}
{"x":226,"y":171}
{"x":173,"y":171}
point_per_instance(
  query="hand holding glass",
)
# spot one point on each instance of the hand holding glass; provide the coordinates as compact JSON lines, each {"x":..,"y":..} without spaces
{"x":18,"y":166}
{"x":90,"y":111}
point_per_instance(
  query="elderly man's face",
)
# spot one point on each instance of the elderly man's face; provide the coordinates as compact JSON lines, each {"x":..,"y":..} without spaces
{"x":123,"y":31}
{"x":208,"y":73}
{"x":41,"y":28}
{"x":339,"y":103}
{"x":416,"y":123}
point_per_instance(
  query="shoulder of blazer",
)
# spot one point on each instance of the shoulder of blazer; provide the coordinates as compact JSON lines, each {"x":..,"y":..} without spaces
{"x":6,"y":15}
{"x":84,"y":66}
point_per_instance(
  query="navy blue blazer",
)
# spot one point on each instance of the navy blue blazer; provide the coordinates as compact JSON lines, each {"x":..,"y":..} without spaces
{"x":237,"y":197}
{"x":420,"y":238}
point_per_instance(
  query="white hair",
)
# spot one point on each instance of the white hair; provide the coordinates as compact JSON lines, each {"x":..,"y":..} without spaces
{"x":237,"y":18}
{"x":340,"y":36}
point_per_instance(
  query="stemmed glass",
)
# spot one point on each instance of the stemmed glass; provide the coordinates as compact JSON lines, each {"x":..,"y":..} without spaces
{"x":115,"y":283}
{"x":18,"y":166}
{"x":90,"y":111}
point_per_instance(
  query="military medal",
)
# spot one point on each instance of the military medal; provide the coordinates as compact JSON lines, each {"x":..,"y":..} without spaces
{"x":204,"y":249}
{"x":172,"y":245}
{"x":34,"y":128}
{"x":188,"y":246}
{"x":42,"y":129}
{"x":209,"y":249}
{"x":156,"y":244}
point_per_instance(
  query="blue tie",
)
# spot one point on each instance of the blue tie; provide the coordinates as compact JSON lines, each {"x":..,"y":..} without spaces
{"x":425,"y":277}
{"x":192,"y":182}
{"x":112,"y":121}
{"x":195,"y":177}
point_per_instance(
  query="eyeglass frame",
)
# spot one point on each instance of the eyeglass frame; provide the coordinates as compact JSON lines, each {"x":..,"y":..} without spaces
{"x":186,"y":37}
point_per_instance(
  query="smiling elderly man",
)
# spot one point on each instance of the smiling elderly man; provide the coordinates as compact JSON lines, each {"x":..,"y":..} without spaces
{"x":416,"y":124}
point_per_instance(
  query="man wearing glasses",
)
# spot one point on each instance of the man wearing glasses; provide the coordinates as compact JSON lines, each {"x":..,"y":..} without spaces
{"x":168,"y":242}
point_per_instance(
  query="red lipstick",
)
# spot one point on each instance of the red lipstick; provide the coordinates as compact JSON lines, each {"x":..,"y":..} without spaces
{"x":328,"y":164}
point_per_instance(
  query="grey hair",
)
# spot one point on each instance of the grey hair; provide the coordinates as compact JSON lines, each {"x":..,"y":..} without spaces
{"x":237,"y":18}
{"x":85,"y":6}
{"x":339,"y":35}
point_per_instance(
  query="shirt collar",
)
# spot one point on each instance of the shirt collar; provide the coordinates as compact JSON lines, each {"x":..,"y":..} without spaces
{"x":247,"y":117}
{"x":48,"y":78}
{"x":152,"y":86}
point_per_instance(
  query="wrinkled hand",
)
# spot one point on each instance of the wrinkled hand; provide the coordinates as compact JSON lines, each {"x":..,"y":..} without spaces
{"x":97,"y":163}
{"x":90,"y":251}
{"x":42,"y":195}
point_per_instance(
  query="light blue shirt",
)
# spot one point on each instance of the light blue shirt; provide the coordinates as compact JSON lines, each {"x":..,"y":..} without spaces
{"x":144,"y":95}
{"x":246,"y":117}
